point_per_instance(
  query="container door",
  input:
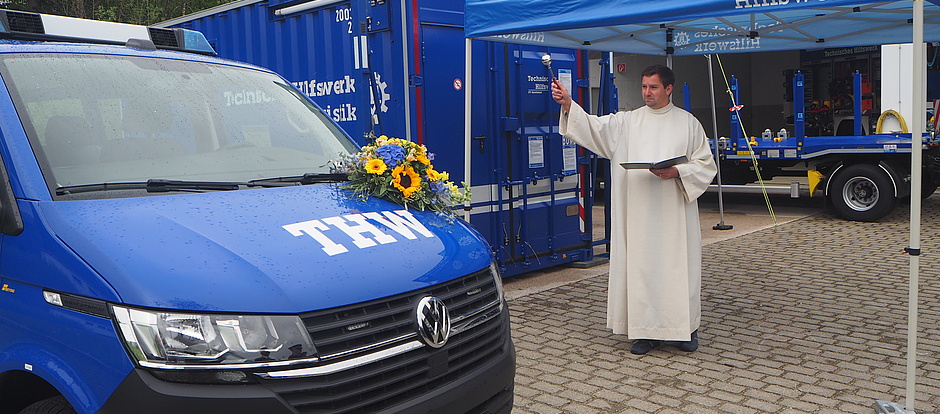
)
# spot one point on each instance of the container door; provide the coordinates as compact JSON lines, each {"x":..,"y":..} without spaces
{"x":442,"y":112}
{"x":542,"y":169}
{"x":525,"y":177}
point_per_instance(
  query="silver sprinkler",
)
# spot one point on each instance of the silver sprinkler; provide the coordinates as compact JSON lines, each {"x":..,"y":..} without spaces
{"x":547,"y":61}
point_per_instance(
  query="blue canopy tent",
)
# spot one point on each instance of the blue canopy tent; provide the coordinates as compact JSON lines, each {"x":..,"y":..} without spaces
{"x":703,"y":27}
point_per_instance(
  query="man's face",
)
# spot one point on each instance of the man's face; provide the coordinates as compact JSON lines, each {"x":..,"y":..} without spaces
{"x":654,"y":93}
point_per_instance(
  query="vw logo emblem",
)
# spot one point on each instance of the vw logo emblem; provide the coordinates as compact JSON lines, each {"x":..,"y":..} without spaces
{"x":433,"y":321}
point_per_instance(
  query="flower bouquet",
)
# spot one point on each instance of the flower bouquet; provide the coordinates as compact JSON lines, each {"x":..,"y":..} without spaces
{"x":400,"y":171}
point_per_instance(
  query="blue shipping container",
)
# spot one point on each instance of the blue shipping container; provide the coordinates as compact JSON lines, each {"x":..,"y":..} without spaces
{"x":397,"y":68}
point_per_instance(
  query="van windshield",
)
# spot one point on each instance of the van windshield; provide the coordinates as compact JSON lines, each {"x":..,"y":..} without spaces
{"x":108,"y":119}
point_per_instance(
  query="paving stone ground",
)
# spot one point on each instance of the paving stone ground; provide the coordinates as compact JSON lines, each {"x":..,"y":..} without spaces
{"x":807,"y":317}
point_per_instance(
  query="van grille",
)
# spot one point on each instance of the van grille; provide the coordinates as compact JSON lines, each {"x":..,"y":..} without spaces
{"x":377,"y":325}
{"x":25,"y":22}
{"x":163,"y":37}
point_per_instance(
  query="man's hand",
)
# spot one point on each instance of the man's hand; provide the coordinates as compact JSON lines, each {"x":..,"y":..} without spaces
{"x":560,"y":94}
{"x":666,"y":173}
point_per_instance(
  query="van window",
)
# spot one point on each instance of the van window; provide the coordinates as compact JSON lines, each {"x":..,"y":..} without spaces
{"x":109,"y":119}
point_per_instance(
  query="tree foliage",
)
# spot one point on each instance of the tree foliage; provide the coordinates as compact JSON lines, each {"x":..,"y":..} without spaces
{"x":145,"y":12}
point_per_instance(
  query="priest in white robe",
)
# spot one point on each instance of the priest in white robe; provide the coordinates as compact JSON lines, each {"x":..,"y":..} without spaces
{"x":654,"y":292}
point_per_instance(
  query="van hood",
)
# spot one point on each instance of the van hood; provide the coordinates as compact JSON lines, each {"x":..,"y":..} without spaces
{"x":280,"y":250}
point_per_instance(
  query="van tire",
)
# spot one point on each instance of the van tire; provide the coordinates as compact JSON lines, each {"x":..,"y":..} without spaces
{"x":54,"y":405}
{"x":862,"y":192}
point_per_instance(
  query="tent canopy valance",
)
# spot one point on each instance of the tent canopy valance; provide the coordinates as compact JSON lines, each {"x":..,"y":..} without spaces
{"x":696,"y":27}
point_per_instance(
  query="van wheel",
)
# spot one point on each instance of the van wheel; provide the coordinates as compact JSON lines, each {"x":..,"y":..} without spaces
{"x":54,"y":405}
{"x":862,"y":192}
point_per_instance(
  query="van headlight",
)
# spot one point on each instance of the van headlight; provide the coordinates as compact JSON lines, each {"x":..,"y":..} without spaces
{"x":498,"y":279}
{"x":158,"y":339}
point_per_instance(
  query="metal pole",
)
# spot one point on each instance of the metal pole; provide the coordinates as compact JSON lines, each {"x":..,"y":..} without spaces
{"x":468,"y":109}
{"x":721,"y":205}
{"x":918,"y":65}
{"x":669,"y":50}
{"x":917,"y":128}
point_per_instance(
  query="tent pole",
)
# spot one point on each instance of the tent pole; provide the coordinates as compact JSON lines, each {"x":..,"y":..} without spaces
{"x":669,"y":48}
{"x":468,"y":109}
{"x":721,"y":205}
{"x":917,"y":128}
{"x":918,"y":65}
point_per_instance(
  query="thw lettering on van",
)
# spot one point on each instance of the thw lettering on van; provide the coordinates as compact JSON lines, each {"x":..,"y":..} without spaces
{"x":360,"y":230}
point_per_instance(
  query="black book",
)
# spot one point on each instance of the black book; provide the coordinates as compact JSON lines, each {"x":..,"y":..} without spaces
{"x":682,"y":159}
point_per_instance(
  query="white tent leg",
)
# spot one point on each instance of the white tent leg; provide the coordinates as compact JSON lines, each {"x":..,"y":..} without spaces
{"x":468,"y":110}
{"x":917,"y":127}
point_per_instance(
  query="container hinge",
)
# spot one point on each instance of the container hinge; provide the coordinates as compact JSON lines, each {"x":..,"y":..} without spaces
{"x":415,"y":80}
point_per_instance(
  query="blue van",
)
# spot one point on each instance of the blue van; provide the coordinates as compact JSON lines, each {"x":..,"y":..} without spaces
{"x":172,"y":240}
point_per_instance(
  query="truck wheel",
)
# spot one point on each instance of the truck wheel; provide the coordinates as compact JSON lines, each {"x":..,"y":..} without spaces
{"x":54,"y":405}
{"x":927,"y":187}
{"x":862,"y":192}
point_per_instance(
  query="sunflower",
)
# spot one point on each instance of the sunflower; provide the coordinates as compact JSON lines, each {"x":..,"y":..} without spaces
{"x":435,"y":175}
{"x":406,"y":180}
{"x":376,"y":166}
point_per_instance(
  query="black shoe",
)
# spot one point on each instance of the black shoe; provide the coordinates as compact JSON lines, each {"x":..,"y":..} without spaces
{"x":690,"y":345}
{"x":642,"y":346}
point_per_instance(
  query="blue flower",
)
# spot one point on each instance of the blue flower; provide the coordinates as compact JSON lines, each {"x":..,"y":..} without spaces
{"x":391,"y":154}
{"x":438,"y":187}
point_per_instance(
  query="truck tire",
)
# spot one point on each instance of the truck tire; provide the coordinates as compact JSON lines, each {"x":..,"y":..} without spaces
{"x":927,"y":187}
{"x":926,"y":191}
{"x":862,"y":192}
{"x":54,"y":405}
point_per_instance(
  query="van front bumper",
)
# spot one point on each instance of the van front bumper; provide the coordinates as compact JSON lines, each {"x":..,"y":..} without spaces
{"x":487,"y":389}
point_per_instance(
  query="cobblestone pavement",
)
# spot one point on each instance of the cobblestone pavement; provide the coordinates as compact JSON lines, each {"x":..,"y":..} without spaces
{"x":807,"y":317}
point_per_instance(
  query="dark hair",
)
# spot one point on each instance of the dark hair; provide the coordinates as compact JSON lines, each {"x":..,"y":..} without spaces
{"x":665,"y":74}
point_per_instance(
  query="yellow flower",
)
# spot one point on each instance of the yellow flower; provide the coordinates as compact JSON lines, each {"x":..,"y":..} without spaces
{"x":435,"y":175}
{"x":423,"y":159}
{"x":406,"y":180}
{"x":454,"y":190}
{"x":376,"y":166}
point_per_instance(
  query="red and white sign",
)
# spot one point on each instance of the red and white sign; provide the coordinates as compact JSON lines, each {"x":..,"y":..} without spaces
{"x":458,"y":84}
{"x":621,"y":67}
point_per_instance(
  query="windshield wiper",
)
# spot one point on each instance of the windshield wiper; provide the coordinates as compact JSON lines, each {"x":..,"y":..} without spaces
{"x":308,"y":178}
{"x":154,"y":185}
